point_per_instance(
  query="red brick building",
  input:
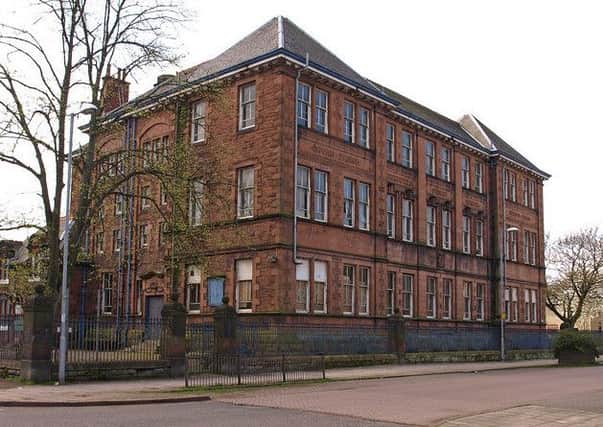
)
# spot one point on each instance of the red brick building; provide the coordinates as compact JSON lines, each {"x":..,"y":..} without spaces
{"x":397,"y":206}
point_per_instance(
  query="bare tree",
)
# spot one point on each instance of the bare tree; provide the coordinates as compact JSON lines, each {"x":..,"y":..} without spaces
{"x":36,"y":95}
{"x":576,"y":263}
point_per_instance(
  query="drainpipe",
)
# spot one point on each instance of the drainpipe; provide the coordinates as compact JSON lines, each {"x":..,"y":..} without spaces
{"x":296,"y":127}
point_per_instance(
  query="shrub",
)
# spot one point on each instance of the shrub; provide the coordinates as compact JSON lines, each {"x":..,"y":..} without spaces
{"x":573,"y":340}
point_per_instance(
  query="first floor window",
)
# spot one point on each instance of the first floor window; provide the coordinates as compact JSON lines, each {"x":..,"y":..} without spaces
{"x":246,"y":186}
{"x":479,"y":237}
{"x":320,"y":287}
{"x":431,"y":297}
{"x":107,"y":296}
{"x":363,"y":288}
{"x":193,"y":285}
{"x":247,"y":106}
{"x":446,"y":229}
{"x":467,"y":300}
{"x":533,"y":248}
{"x":143,"y":236}
{"x":244,"y":275}
{"x":145,"y":192}
{"x":466,"y":234}
{"x":407,"y":295}
{"x":349,"y":272}
{"x":431,"y":226}
{"x":447,"y":294}
{"x":407,"y":220}
{"x":348,"y":202}
{"x":364,"y":206}
{"x":100,"y":242}
{"x":302,"y":189}
{"x":512,"y":245}
{"x":320,"y":195}
{"x":391,"y":215}
{"x":391,"y":292}
{"x":116,"y":240}
{"x":480,"y":297}
{"x":215,"y":291}
{"x":302,"y":293}
{"x":196,"y":202}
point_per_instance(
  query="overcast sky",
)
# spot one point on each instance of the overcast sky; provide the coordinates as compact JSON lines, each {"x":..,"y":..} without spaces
{"x":531,"y":70}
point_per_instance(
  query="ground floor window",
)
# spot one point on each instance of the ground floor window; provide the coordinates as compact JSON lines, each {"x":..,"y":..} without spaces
{"x":302,"y":294}
{"x":467,"y":301}
{"x":363,"y":289}
{"x":349,"y":272}
{"x":391,"y":292}
{"x":193,"y":284}
{"x":244,"y":274}
{"x":320,"y":287}
{"x":480,"y":298}
{"x":407,"y":295}
{"x":215,"y":291}
{"x":431,"y":297}
{"x":107,"y":294}
{"x":447,"y":296}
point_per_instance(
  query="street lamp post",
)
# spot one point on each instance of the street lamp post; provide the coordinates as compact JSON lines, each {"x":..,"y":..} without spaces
{"x":64,"y":290}
{"x":503,"y":286}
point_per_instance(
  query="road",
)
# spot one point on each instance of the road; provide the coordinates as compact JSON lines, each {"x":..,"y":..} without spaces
{"x":519,"y":397}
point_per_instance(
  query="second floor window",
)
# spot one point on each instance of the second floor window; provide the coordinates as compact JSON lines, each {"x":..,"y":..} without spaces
{"x":246,"y":186}
{"x":511,"y":245}
{"x":100,"y":242}
{"x":320,"y":195}
{"x":407,"y":220}
{"x":116,"y":240}
{"x":479,"y":237}
{"x":145,"y":202}
{"x":431,"y":226}
{"x":445,"y":164}
{"x":429,"y":158}
{"x":465,"y":172}
{"x":407,"y":149}
{"x":364,"y":127}
{"x":390,"y":142}
{"x":391,"y":215}
{"x":532,"y":194}
{"x":364,"y":191}
{"x":348,"y":202}
{"x":198,"y":121}
{"x":196,"y":203}
{"x":322,"y":111}
{"x":302,"y":189}
{"x":303,"y":105}
{"x":479,"y":177}
{"x":510,"y":185}
{"x":446,"y":229}
{"x":143,"y":236}
{"x":247,"y":106}
{"x":348,"y":122}
{"x":466,"y":234}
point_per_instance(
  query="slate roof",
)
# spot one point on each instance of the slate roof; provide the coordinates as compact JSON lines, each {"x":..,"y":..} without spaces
{"x":281,"y":36}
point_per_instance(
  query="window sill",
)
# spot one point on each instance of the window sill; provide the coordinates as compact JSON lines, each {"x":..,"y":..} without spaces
{"x":246,"y":129}
{"x":348,"y":313}
{"x":245,"y":310}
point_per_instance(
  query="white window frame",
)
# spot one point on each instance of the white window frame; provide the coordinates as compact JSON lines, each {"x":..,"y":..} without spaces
{"x":466,"y":172}
{"x":480,"y":298}
{"x":145,"y":203}
{"x":407,"y":149}
{"x":445,"y":161}
{"x":390,"y":142}
{"x":193,"y":279}
{"x":143,"y":236}
{"x":391,"y":293}
{"x":467,"y":309}
{"x":390,"y":202}
{"x":532,"y":193}
{"x":240,"y":278}
{"x":247,"y":106}
{"x":479,"y":237}
{"x":303,"y":191}
{"x":321,"y":194}
{"x":99,"y":242}
{"x":351,"y":285}
{"x":533,"y":248}
{"x":511,"y":245}
{"x":304,"y":105}
{"x":117,"y":240}
{"x":198,"y":117}
{"x":364,"y":206}
{"x":447,"y":294}
{"x":364,"y":125}
{"x":324,"y":280}
{"x":195,"y":203}
{"x":430,"y":168}
{"x":466,"y":234}
{"x":446,"y":229}
{"x":245,"y":211}
{"x":514,"y":305}
{"x":526,"y":303}
{"x":364,"y":288}
{"x":302,"y":278}
{"x":349,"y":122}
{"x":534,"y":305}
{"x":479,"y":177}
{"x":349,"y":203}
{"x":408,"y":295}
{"x":119,"y":208}
{"x":526,"y":247}
{"x":431,"y":226}
{"x":407,"y":220}
{"x":104,"y":303}
{"x":324,"y":109}
{"x":431,"y":291}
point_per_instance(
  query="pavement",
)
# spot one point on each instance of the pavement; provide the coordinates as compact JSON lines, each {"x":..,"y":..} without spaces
{"x":158,"y":390}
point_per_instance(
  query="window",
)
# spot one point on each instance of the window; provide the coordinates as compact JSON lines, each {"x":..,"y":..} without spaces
{"x":303,"y":105}
{"x":193,"y":289}
{"x":431,"y":297}
{"x":196,"y":203}
{"x":510,"y":181}
{"x":145,"y":202}
{"x":100,"y":242}
{"x":245,"y":192}
{"x":348,"y":122}
{"x":533,"y":248}
{"x":147,"y":153}
{"x":479,"y":177}
{"x":431,"y":226}
{"x":390,"y":131}
{"x":526,"y":196}
{"x":116,"y":240}
{"x":391,"y":215}
{"x":320,"y":195}
{"x":164,"y":229}
{"x":139,"y":297}
{"x":466,"y":234}
{"x":247,"y":106}
{"x":526,"y":300}
{"x":320,"y":287}
{"x":107,"y":296}
{"x":526,"y":247}
{"x":532,"y":193}
{"x":143,"y":236}
{"x":407,"y":149}
{"x":447,"y":293}
{"x":465,"y":172}
{"x":348,"y":202}
{"x":349,"y":271}
{"x":215,"y":291}
{"x":244,"y":275}
{"x":514,"y":305}
{"x":407,"y":295}
{"x":160,"y":147}
{"x":445,"y":164}
{"x":363,"y":290}
{"x":198,"y":122}
{"x":391,"y":292}
{"x":302,"y":293}
{"x":163,"y":195}
{"x":364,"y":127}
{"x":4,"y":265}
{"x":481,"y":295}
{"x":429,"y":158}
{"x":322,"y":112}
{"x":479,"y":237}
{"x":507,"y":312}
{"x":533,"y":303}
{"x":302,"y":189}
{"x":407,"y":220}
{"x":119,"y":204}
{"x":363,"y":206}
{"x":467,"y":301}
{"x":446,"y":229}
{"x":512,"y":245}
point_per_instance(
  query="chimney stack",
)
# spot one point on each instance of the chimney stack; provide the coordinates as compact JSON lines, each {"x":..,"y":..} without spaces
{"x":116,"y":90}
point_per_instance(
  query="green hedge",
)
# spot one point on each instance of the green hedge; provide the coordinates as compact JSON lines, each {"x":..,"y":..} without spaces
{"x":573,"y":340}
